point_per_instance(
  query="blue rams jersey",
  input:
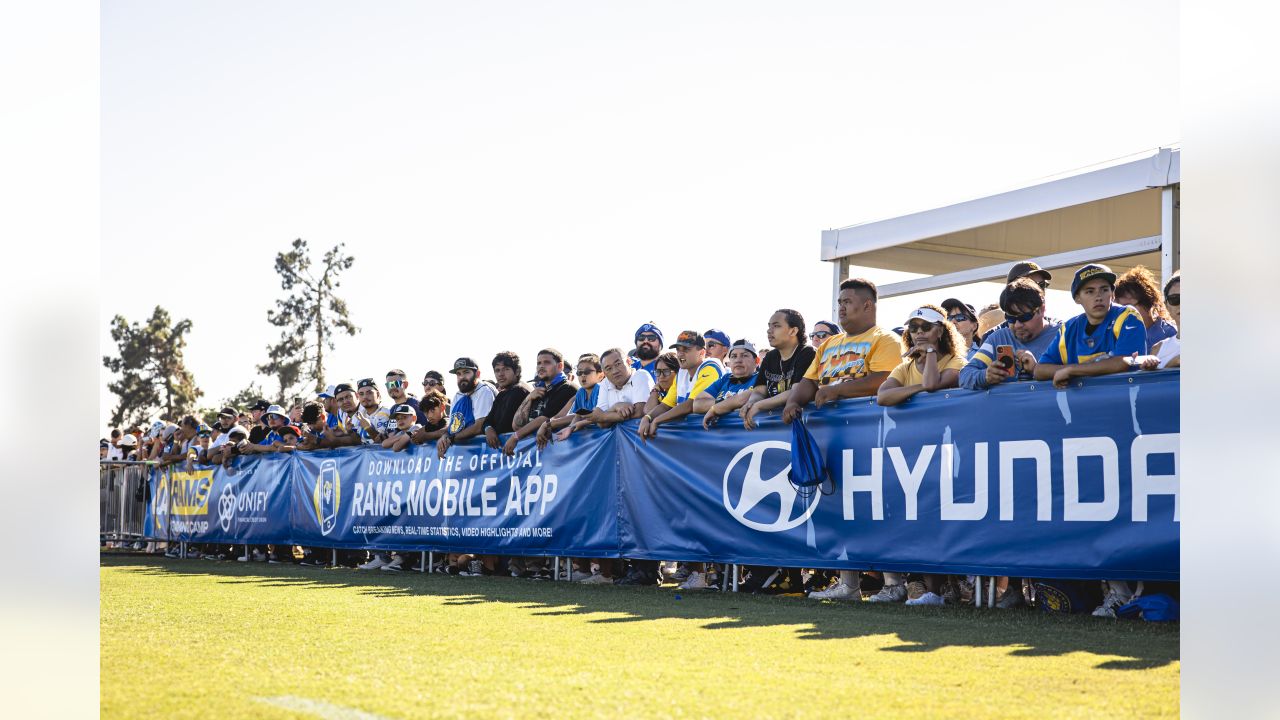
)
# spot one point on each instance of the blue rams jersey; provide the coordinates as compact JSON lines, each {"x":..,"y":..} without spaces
{"x":728,"y":385}
{"x":1121,"y":334}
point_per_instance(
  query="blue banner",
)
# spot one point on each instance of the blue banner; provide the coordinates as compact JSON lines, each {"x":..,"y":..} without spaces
{"x":1022,"y":479}
{"x":1019,"y":480}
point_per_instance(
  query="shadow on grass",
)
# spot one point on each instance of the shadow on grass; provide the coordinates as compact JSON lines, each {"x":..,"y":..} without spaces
{"x":1134,"y":645}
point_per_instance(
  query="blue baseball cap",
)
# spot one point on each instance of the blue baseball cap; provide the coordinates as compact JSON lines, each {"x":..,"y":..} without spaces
{"x":1089,"y":272}
{"x":719,"y":336}
{"x":648,"y":328}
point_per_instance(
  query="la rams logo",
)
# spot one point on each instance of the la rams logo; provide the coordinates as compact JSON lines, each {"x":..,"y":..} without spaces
{"x":160,"y":503}
{"x":326,"y":496}
{"x":748,"y":495}
{"x":455,"y":423}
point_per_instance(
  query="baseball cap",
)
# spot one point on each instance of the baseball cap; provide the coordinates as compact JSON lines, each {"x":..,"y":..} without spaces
{"x":463,"y":363}
{"x":291,"y":429}
{"x":238,"y":430}
{"x":328,"y":392}
{"x":228,"y":412}
{"x":127,"y":440}
{"x":1025,"y":268}
{"x":341,"y":388}
{"x":103,"y":443}
{"x":689,"y":338}
{"x":745,"y":345}
{"x":1089,"y":272}
{"x":169,"y":430}
{"x":403,"y":409}
{"x":434,"y":375}
{"x":275,"y":410}
{"x":648,"y":328}
{"x":828,"y":326}
{"x":366,"y":382}
{"x":926,"y":314}
{"x":952,"y":303}
{"x":396,"y":371}
{"x":260,"y":405}
{"x":204,"y":430}
{"x":719,"y":336}
{"x":154,"y":431}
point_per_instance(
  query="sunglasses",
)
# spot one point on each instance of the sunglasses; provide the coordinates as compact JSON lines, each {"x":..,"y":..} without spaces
{"x":1025,"y":317}
{"x":958,"y":317}
{"x":430,"y":383}
{"x":1174,"y":299}
{"x":820,"y":335}
{"x":1044,"y":284}
{"x":647,"y":337}
{"x":713,"y":343}
{"x":396,"y":384}
{"x":919,"y":327}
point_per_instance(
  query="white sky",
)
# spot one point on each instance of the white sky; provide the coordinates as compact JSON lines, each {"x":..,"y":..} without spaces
{"x":512,"y":175}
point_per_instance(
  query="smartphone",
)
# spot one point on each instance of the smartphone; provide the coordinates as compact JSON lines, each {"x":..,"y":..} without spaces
{"x":1004,"y":358}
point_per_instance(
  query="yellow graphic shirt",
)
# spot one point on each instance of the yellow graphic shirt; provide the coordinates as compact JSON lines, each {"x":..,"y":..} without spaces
{"x":849,"y":357}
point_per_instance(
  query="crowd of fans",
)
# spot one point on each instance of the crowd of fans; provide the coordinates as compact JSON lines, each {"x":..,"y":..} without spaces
{"x":1128,"y":324}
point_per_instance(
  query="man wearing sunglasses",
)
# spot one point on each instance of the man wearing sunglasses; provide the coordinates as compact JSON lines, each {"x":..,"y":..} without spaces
{"x":1026,"y":330}
{"x":648,"y":348}
{"x":822,"y":330}
{"x":398,"y":390}
{"x":717,"y":345}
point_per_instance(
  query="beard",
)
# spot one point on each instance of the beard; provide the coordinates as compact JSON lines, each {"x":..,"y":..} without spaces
{"x":466,"y":386}
{"x":646,"y":353}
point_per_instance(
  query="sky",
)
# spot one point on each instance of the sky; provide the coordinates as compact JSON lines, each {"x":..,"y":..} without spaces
{"x":512,"y":176}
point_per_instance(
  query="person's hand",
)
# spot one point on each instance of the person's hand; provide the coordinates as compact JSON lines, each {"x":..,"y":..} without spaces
{"x":749,"y":417}
{"x":711,"y":418}
{"x":1028,"y":361}
{"x":915,"y":351}
{"x":790,"y":412}
{"x":537,"y":393}
{"x":625,"y":411}
{"x":509,"y":447}
{"x":491,"y":437}
{"x":826,"y":394}
{"x":1062,"y":377}
{"x":1149,"y":362}
{"x":543,"y":436}
{"x":996,"y":374}
{"x":442,"y":446}
{"x":646,"y":422}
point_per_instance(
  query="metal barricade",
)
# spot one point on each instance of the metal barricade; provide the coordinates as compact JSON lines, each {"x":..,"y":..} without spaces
{"x":122,"y":499}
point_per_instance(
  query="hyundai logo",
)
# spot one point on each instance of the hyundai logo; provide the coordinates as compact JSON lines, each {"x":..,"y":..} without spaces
{"x":754,"y":489}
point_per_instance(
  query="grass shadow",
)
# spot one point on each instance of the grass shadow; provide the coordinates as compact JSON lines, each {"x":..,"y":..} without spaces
{"x":1131,"y":645}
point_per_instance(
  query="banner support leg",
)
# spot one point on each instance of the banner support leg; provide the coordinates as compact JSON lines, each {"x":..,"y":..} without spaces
{"x":555,"y":571}
{"x":735,"y":577}
{"x":431,"y":559}
{"x":333,"y":557}
{"x":991,"y":592}
{"x":424,"y":562}
{"x":977,"y":591}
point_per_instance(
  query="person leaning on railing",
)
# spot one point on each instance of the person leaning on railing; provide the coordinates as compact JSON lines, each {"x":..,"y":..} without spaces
{"x":1027,"y":332}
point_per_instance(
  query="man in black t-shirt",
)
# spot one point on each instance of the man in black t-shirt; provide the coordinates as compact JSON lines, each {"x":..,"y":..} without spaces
{"x":782,"y":367}
{"x":511,"y":392}
{"x":552,"y":390}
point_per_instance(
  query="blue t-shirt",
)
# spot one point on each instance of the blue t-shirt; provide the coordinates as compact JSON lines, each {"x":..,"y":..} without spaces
{"x":271,"y":438}
{"x":650,"y":367}
{"x":1159,"y":330}
{"x":332,"y":420}
{"x":1120,"y":334}
{"x":728,"y":385}
{"x":585,"y":400}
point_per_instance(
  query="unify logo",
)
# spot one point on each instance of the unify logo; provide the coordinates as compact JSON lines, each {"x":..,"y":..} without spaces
{"x":226,"y":508}
{"x":751,"y":489}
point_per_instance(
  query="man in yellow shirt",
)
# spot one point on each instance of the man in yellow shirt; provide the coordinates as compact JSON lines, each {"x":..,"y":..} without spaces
{"x":851,"y":364}
{"x":697,"y":373}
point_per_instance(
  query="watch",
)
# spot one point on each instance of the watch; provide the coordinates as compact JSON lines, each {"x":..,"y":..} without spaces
{"x":928,"y":350}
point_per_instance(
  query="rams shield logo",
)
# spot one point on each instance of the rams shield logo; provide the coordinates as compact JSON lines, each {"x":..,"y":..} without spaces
{"x":327,"y":497}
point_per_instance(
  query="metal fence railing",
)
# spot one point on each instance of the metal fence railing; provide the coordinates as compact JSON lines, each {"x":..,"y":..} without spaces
{"x":122,"y":499}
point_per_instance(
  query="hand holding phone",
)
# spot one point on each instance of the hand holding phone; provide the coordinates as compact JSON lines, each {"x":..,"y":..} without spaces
{"x":1005,"y":359}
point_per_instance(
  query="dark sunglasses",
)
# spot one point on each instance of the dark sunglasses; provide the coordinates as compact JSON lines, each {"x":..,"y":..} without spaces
{"x":1044,"y":284}
{"x":1174,"y":299}
{"x":921,"y":326}
{"x":958,"y":317}
{"x":819,"y":334}
{"x":647,"y":337}
{"x":1025,"y":317}
{"x":395,"y":384}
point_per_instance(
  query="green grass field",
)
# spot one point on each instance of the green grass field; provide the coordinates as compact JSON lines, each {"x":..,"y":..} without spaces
{"x":218,"y":640}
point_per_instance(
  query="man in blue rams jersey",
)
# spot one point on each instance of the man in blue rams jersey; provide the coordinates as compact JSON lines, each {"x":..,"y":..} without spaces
{"x":1103,"y":340}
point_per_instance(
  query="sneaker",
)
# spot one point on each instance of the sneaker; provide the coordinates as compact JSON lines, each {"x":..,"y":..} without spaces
{"x":193,"y":554}
{"x":695,"y":581}
{"x":890,"y":594}
{"x":840,"y":591}
{"x":475,"y":568}
{"x":579,"y":576}
{"x":595,"y":580}
{"x":394,"y":566}
{"x":374,"y":563}
{"x":817,"y":582}
{"x":1011,"y":597}
{"x":927,"y":598}
{"x":259,"y":556}
{"x":243,"y":558}
{"x":171,"y":553}
{"x":1118,"y":593}
{"x":633,"y":577}
{"x":915,"y":588}
{"x":681,"y":574}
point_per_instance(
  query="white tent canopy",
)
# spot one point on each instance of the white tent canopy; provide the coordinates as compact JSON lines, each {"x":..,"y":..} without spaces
{"x":1124,"y":213}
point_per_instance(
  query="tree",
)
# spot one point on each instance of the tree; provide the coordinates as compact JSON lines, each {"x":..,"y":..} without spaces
{"x":153,"y":373}
{"x":310,"y":316}
{"x":249,"y":395}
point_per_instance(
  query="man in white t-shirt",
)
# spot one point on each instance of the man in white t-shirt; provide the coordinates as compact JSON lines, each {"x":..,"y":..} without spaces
{"x":622,"y":394}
